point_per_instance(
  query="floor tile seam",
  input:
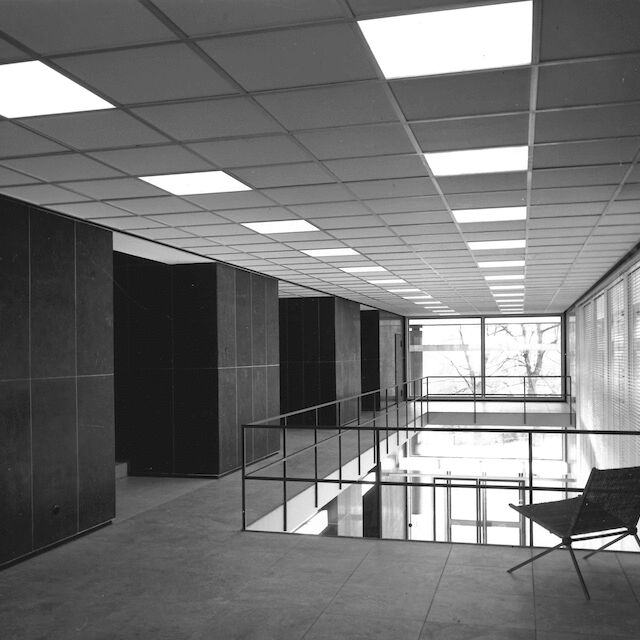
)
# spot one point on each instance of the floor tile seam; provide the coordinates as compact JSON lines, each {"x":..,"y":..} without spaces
{"x":435,"y":591}
{"x":335,"y":595}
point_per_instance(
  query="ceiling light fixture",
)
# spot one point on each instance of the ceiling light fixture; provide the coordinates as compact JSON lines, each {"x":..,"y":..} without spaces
{"x":402,"y":290}
{"x":34,"y":89}
{"x":500,"y":264}
{"x":424,"y":297}
{"x":449,"y":41}
{"x":498,"y":287}
{"x":464,"y":216}
{"x":387,"y":281}
{"x":506,"y":277}
{"x":485,"y":245}
{"x":469,"y":161}
{"x":330,"y":253}
{"x":362,"y":269}
{"x":280,"y":226}
{"x":188,"y":184}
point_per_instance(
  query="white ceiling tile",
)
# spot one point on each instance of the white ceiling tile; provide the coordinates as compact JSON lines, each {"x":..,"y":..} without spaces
{"x":90,"y":210}
{"x":114,"y":188}
{"x":234,"y":200}
{"x":205,"y":119}
{"x":163,"y":233}
{"x":310,"y":194}
{"x":349,"y":142}
{"x":246,"y":152}
{"x":398,"y":188}
{"x":348,"y":104}
{"x":406,"y":204}
{"x":18,"y":141}
{"x":160,"y":204}
{"x":184,"y":74}
{"x":261,"y":61}
{"x":145,"y":161}
{"x":281,"y":175}
{"x":129,"y":222}
{"x":95,"y":129}
{"x":224,"y":16}
{"x":12,"y":178}
{"x":42,"y":194}
{"x":377,"y":168}
{"x":330,"y":209}
{"x":259,"y":214}
{"x":59,"y":167}
{"x":81,"y":25}
{"x":463,"y":94}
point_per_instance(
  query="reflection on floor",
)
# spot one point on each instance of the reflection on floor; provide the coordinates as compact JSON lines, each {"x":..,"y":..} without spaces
{"x":181,"y":569}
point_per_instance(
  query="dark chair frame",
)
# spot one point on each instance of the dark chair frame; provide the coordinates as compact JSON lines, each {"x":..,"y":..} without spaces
{"x":609,"y":506}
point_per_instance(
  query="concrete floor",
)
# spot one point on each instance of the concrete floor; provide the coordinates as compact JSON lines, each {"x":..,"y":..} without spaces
{"x":175,"y":566}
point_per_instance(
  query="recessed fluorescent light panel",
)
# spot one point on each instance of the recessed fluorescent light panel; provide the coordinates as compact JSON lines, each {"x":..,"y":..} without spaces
{"x":189,"y":184}
{"x":362,"y":269}
{"x":424,"y":297}
{"x":505,"y":277}
{"x":498,"y":287}
{"x":402,"y":290}
{"x":468,"y":161}
{"x":280,"y":226}
{"x":34,"y":89}
{"x":330,"y":253}
{"x":387,"y":281}
{"x":486,"y":37}
{"x":501,"y":264}
{"x":486,"y":245}
{"x":463,"y":216}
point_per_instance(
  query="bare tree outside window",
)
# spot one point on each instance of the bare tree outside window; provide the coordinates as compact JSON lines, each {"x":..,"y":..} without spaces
{"x":521,"y":356}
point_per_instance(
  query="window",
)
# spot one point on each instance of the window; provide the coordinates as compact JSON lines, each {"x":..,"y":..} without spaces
{"x":520,"y":355}
{"x":523,"y":357}
{"x":448,"y":351}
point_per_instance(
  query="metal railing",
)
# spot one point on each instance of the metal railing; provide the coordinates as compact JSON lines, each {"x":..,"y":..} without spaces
{"x":367,"y":468}
{"x":379,"y":413}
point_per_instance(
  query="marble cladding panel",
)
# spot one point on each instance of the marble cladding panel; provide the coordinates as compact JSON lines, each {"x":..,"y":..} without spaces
{"x":56,"y":297}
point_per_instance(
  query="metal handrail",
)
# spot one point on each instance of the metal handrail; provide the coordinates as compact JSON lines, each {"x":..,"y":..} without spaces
{"x":529,"y":486}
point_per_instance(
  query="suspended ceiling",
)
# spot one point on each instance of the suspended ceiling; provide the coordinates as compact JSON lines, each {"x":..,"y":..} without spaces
{"x":287,"y":97}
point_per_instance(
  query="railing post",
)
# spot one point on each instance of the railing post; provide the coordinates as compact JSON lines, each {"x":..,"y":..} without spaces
{"x":339,"y":447}
{"x":475,"y":414}
{"x":244,"y":477}
{"x":284,"y":476}
{"x":427,"y":379}
{"x":359,"y":450}
{"x":530,"y":443}
{"x":378,"y":480}
{"x":386,"y":417}
{"x":524,"y":399}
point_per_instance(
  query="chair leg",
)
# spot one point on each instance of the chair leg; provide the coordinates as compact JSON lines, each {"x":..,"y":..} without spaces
{"x":544,"y":553}
{"x":608,"y":544}
{"x":577,"y":568}
{"x":635,"y":535}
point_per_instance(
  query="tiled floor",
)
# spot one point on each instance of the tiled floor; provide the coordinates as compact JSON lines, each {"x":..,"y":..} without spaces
{"x":177,"y":567}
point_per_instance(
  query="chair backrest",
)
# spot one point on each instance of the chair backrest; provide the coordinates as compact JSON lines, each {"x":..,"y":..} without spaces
{"x":614,"y":491}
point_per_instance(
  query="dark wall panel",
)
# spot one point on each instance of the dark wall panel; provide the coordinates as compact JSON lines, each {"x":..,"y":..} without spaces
{"x":179,"y":408}
{"x":196,"y":424}
{"x":258,"y":321}
{"x":53,"y":340}
{"x":194,"y":316}
{"x":94,"y":294}
{"x":95,"y":450}
{"x":55,"y":468}
{"x":56,"y":432}
{"x":14,"y":291}
{"x":15,"y":470}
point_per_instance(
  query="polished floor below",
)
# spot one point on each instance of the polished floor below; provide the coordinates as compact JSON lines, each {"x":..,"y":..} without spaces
{"x":174,"y":565}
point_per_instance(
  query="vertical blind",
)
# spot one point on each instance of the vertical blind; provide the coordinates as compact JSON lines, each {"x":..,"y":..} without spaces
{"x":607,"y":363}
